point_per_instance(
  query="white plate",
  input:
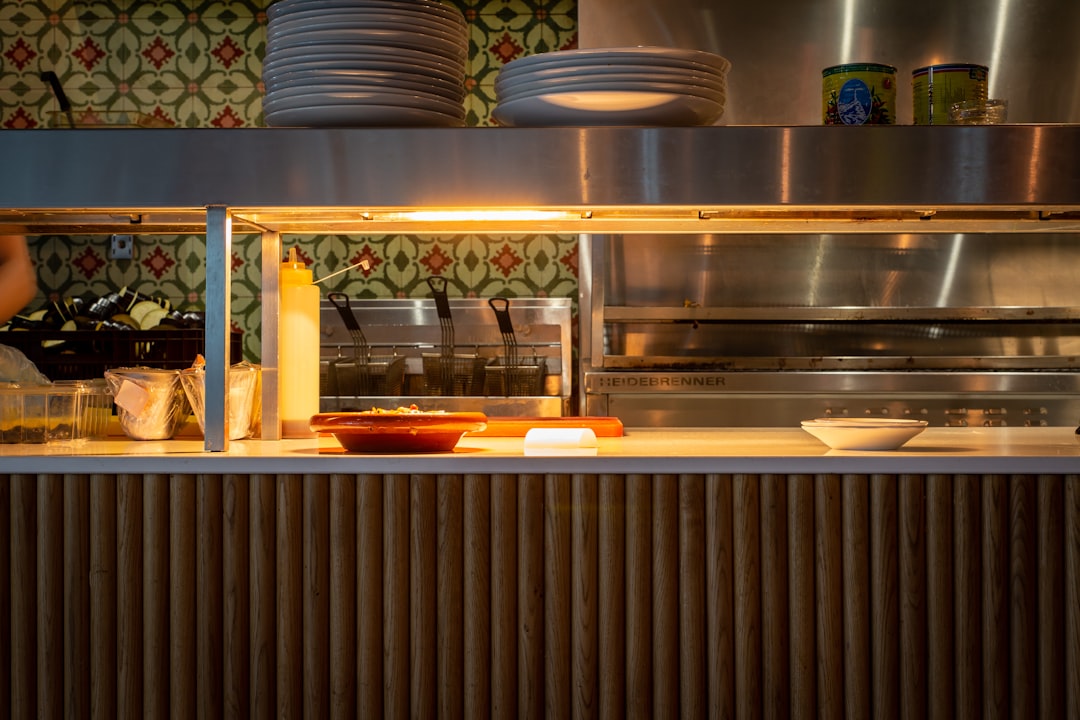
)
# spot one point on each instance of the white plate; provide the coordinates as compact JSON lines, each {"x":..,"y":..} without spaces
{"x":279,"y":36}
{"x":561,"y":71}
{"x":608,"y":109}
{"x":349,"y":78}
{"x":301,"y":22}
{"x":361,"y":116}
{"x":587,"y":57}
{"x":289,"y":8}
{"x":503,"y":85}
{"x":874,"y":436}
{"x":358,"y":39}
{"x":407,"y":63}
{"x":532,"y":89}
{"x":330,"y":95}
{"x":359,"y":53}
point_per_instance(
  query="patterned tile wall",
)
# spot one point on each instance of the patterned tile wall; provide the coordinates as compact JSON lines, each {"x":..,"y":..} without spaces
{"x":198,"y":63}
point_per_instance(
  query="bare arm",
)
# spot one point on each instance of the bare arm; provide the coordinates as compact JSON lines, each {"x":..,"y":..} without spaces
{"x":18,"y":282}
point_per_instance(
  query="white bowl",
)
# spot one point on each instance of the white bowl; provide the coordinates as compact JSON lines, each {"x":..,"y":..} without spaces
{"x":864,"y":434}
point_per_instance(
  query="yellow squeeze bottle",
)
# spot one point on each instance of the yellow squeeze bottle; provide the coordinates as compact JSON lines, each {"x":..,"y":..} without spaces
{"x":298,"y":340}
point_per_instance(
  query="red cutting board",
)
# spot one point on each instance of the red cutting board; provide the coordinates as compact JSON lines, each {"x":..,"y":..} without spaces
{"x":518,"y":426}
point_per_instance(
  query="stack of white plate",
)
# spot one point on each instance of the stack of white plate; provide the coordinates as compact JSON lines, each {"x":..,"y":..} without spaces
{"x":612,"y":86}
{"x":864,"y":433}
{"x":364,"y":63}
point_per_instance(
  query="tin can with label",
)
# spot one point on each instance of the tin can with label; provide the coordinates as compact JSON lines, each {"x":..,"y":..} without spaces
{"x":858,"y":94}
{"x":936,"y":87}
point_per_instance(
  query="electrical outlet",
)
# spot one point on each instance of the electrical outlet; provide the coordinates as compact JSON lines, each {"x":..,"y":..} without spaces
{"x":121,"y":247}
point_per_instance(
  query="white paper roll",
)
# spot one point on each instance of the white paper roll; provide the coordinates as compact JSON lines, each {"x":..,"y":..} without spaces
{"x":560,"y":441}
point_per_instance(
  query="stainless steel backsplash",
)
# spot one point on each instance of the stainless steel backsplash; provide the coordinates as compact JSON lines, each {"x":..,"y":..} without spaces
{"x":778,"y":48}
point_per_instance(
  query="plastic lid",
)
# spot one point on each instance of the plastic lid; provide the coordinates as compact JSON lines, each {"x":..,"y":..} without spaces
{"x":294,"y":271}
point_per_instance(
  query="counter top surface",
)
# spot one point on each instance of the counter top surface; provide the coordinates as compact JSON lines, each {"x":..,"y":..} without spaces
{"x":650,"y":451}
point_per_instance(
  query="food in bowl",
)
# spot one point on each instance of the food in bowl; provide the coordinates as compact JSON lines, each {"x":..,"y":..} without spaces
{"x":399,"y":430}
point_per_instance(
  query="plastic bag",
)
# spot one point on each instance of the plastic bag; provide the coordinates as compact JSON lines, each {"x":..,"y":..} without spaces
{"x":17,"y":368}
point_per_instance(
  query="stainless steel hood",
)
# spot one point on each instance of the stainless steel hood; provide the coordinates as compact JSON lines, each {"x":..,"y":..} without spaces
{"x":779,"y":48}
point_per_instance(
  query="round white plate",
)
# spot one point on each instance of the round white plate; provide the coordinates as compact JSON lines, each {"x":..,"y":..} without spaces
{"x":314,"y":22}
{"x":531,"y":89}
{"x":888,"y":435}
{"x":608,"y":109}
{"x":560,"y":71}
{"x":335,"y":95}
{"x":346,"y":28}
{"x":360,"y":116}
{"x":290,"y":8}
{"x":361,"y":53}
{"x":408,"y":63}
{"x":606,"y":75}
{"x":359,"y":39}
{"x":586,"y":57}
{"x":307,"y":78}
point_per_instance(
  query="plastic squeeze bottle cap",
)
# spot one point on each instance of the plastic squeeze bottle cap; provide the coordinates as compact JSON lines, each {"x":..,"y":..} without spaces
{"x":294,"y":271}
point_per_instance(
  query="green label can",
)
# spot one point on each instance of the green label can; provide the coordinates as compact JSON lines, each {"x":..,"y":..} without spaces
{"x":858,"y":94}
{"x":936,"y":87}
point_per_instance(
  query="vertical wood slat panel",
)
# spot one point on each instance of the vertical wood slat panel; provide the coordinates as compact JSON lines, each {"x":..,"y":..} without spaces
{"x":236,"y":598}
{"x":856,"y":596}
{"x":691,"y":553}
{"x":155,"y":611}
{"x":129,"y":620}
{"x":369,"y":595}
{"x":103,"y":596}
{"x":76,"y":595}
{"x":262,"y":545}
{"x":939,"y":594}
{"x":1072,"y":594}
{"x":182,"y":641}
{"x":1050,"y":499}
{"x":290,"y":605}
{"x":719,"y":606}
{"x":775,"y":601}
{"x":23,"y":618}
{"x":208,"y":583}
{"x":342,"y":587}
{"x":477,"y":595}
{"x":558,"y":588}
{"x":612,"y":588}
{"x":828,"y":581}
{"x":585,"y":597}
{"x":995,"y":595}
{"x":746,"y":525}
{"x":451,"y":606}
{"x":396,"y":596}
{"x":967,"y":565}
{"x":315,"y":491}
{"x":6,"y":521}
{"x":50,"y":596}
{"x":530,"y":596}
{"x":911,"y":533}
{"x":884,"y":598}
{"x":639,"y":541}
{"x":423,"y":541}
{"x":664,"y":589}
{"x":800,"y":551}
{"x":1022,"y":584}
{"x":504,"y":596}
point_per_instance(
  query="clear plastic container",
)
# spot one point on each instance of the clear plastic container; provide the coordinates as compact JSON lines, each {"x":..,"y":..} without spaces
{"x":38,"y":413}
{"x":150,"y":403}
{"x":95,"y":407}
{"x":244,"y":410}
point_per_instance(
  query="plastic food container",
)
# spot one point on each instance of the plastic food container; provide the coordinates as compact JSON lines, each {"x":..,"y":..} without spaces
{"x":38,"y":413}
{"x":150,"y":403}
{"x":95,"y":406}
{"x":243,"y":390}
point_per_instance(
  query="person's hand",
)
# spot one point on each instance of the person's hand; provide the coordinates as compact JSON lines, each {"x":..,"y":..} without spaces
{"x":17,"y":276}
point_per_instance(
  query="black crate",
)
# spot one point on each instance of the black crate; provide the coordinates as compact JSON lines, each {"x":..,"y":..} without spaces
{"x":85,"y":354}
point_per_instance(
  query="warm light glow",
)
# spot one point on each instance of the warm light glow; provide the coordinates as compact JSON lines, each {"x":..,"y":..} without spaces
{"x":485,"y":215}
